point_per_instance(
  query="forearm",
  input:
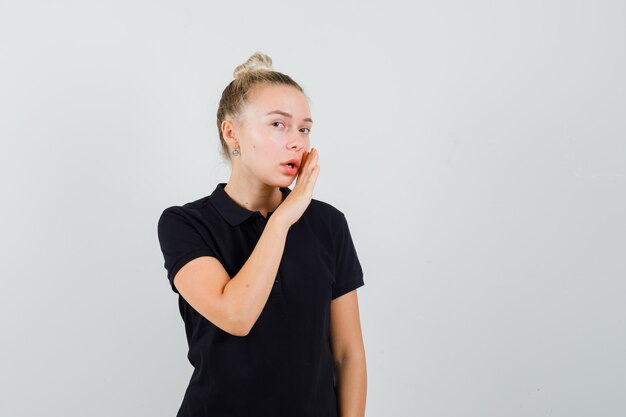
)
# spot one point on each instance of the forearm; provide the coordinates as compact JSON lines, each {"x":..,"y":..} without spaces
{"x":352,"y":386}
{"x":248,"y":291}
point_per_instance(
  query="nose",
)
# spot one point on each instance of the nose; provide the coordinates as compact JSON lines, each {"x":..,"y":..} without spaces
{"x":297,"y":141}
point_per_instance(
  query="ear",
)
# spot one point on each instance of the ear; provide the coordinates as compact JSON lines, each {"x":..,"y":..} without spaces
{"x":229,"y":128}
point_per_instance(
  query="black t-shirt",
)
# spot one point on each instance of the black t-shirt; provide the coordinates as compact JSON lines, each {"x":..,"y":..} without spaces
{"x":284,"y":366}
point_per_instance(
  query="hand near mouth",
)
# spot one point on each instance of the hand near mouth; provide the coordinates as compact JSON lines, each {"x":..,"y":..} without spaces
{"x":294,"y":205}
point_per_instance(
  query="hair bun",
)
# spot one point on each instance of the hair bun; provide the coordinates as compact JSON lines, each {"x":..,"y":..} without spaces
{"x":257,"y":62}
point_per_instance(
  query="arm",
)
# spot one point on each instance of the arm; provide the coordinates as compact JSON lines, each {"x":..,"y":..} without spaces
{"x":349,"y":355}
{"x":248,"y":291}
{"x":235,"y":304}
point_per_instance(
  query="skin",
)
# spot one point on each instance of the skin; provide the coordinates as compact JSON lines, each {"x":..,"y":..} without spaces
{"x":264,"y":142}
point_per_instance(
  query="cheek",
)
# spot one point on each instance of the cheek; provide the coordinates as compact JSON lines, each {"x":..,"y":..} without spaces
{"x":266,"y":153}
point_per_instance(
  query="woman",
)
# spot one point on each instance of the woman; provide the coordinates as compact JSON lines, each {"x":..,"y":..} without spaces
{"x":266,"y":276}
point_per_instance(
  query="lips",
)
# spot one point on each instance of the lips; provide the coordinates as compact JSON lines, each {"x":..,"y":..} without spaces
{"x":293,"y":162}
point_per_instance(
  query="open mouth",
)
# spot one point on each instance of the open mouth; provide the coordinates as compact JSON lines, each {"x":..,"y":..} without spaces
{"x":291,"y":164}
{"x":290,"y":168}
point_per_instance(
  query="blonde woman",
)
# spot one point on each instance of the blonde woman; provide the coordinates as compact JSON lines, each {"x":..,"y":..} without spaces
{"x":266,"y":276}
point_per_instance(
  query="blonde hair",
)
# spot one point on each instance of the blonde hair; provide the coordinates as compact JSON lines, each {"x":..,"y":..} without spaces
{"x":255,"y":71}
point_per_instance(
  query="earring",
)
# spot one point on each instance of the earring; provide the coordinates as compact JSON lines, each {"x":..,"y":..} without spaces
{"x":236,"y":152}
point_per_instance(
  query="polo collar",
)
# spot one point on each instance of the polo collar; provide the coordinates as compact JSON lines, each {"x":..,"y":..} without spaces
{"x":231,"y":211}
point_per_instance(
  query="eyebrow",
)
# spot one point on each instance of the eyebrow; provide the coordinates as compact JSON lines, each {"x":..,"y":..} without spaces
{"x":284,"y":113}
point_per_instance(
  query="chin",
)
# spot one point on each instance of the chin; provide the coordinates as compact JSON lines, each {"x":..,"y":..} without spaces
{"x":285,"y":181}
{"x":278,"y":182}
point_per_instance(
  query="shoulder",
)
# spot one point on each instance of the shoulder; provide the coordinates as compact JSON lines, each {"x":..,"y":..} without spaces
{"x":326,"y":214}
{"x":323,"y":208}
{"x":191,"y":211}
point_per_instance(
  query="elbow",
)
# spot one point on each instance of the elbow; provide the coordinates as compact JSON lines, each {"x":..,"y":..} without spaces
{"x":235,"y":328}
{"x":239,"y":329}
{"x":242,"y":333}
{"x":237,"y":324}
{"x":235,"y":321}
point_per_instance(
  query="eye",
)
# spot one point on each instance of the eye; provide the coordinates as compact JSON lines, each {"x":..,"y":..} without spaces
{"x":274,"y":123}
{"x":309,"y":130}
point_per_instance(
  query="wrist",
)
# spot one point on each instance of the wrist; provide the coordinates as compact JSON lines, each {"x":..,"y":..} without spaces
{"x":277,"y":222}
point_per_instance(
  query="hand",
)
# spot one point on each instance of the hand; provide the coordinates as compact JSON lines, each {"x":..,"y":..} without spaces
{"x":292,"y":208}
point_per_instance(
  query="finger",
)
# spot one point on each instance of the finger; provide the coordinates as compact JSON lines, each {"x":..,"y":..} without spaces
{"x":312,"y":179}
{"x":313,"y":163}
{"x":303,"y":166}
{"x":305,"y":159}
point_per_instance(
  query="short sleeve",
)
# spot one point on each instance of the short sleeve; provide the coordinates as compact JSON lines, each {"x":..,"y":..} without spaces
{"x":180,"y":241}
{"x":348,"y":271}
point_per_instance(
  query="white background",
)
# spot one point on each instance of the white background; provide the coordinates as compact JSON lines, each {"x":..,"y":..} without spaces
{"x":477,"y":149}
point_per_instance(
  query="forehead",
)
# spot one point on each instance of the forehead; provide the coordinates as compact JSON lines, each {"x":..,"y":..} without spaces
{"x":266,"y":98}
